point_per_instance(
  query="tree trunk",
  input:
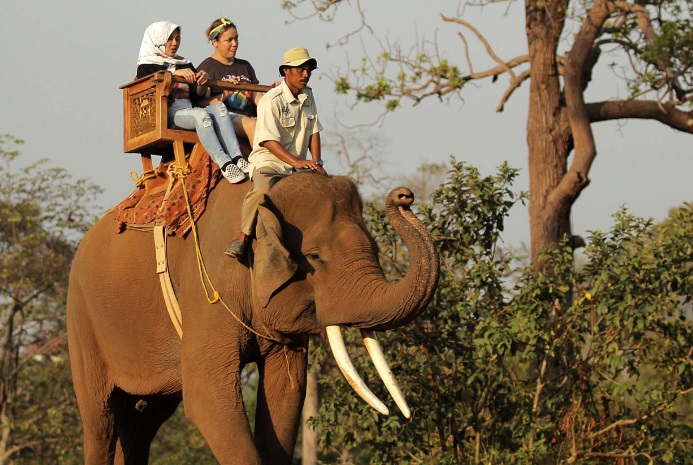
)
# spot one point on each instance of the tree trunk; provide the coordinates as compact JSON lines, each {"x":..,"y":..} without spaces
{"x":309,"y":442}
{"x":548,"y":131}
{"x":8,"y":383}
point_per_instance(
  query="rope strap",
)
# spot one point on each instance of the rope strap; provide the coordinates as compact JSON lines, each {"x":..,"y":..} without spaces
{"x":146,"y":175}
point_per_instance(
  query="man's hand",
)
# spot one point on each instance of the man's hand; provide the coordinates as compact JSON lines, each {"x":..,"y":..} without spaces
{"x":309,"y":165}
{"x":280,"y":152}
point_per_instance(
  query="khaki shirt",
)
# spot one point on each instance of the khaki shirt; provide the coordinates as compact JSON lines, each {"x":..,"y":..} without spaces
{"x":288,"y":120}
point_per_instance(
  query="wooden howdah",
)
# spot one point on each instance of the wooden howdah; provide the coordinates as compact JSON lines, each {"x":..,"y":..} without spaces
{"x":146,"y":127}
{"x":146,"y":130}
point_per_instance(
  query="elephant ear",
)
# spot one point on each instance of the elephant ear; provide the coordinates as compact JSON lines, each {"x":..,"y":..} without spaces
{"x":273,"y":263}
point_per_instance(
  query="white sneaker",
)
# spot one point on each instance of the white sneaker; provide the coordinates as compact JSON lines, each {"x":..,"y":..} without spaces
{"x":243,"y":164}
{"x":233,"y":174}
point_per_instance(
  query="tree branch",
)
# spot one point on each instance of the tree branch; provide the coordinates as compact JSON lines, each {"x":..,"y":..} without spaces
{"x":482,"y":39}
{"x":497,"y":70}
{"x":319,"y":8}
{"x":643,"y":418}
{"x":327,"y":10}
{"x":345,"y":38}
{"x":466,"y":52}
{"x":14,"y":449}
{"x":642,"y":17}
{"x":514,"y":84}
{"x":665,"y":113}
{"x":585,"y":150}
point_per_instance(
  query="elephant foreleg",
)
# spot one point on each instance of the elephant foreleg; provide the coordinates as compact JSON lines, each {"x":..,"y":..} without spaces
{"x":280,"y":398}
{"x":213,"y":402}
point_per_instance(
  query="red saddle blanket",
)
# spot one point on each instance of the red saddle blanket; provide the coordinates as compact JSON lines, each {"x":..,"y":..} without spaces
{"x":201,"y":180}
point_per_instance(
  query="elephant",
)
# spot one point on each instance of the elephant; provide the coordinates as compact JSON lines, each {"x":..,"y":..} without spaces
{"x":315,"y":268}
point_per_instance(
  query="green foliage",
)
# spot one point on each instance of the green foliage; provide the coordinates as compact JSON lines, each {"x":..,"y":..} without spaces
{"x":376,"y":91}
{"x":660,"y":55}
{"x":392,"y":105}
{"x":43,"y":213}
{"x":516,"y":366}
{"x":48,"y":421}
{"x":673,"y":45}
{"x":342,"y":85}
{"x":449,"y":72}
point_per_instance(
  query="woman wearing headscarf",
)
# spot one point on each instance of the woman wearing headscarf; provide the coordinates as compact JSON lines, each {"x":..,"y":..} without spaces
{"x":158,"y":52}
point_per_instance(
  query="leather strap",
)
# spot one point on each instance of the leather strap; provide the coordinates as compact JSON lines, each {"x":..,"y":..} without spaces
{"x":165,"y":279}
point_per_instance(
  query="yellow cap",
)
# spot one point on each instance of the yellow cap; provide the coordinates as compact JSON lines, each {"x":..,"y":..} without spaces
{"x":296,"y":57}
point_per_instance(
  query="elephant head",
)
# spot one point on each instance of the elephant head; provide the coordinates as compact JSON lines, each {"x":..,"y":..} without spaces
{"x":317,"y":268}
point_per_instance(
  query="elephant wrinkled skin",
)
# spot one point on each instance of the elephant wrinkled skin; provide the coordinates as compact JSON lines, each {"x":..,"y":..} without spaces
{"x":315,"y":266}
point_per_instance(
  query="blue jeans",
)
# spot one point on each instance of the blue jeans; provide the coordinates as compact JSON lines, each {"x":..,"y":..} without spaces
{"x":214,"y":128}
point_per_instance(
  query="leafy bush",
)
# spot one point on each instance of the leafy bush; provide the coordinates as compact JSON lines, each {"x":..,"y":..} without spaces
{"x":517,"y":366}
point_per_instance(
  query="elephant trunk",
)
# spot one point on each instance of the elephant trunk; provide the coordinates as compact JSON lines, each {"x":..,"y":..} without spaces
{"x":386,"y":305}
{"x":391,"y":305}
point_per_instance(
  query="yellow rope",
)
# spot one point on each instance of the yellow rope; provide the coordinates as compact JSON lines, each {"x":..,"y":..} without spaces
{"x":171,"y":181}
{"x":139,"y":183}
{"x":288,"y":367}
{"x":175,"y":170}
{"x":146,"y":175}
{"x":182,"y":173}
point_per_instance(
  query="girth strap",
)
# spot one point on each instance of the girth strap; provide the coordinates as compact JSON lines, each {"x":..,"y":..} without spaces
{"x":165,"y":279}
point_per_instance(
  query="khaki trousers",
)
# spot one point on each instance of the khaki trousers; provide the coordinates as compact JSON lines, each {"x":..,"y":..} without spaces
{"x":263,"y":179}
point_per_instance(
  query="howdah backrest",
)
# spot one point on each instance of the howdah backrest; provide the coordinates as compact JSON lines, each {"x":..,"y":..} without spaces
{"x":145,"y":106}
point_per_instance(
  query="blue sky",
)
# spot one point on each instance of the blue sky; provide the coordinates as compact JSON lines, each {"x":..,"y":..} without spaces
{"x":63,"y":62}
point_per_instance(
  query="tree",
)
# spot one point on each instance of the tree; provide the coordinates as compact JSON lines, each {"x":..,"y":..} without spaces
{"x":43,"y":213}
{"x":654,"y":39}
{"x":467,"y":364}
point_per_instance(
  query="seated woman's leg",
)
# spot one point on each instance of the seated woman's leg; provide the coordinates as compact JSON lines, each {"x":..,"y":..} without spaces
{"x":224,"y":128}
{"x":245,"y":127}
{"x":199,"y":119}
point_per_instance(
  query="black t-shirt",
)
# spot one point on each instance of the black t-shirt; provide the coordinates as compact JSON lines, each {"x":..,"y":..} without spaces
{"x":240,"y":71}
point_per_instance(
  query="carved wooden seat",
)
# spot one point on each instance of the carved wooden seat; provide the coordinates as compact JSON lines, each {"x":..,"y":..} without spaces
{"x":146,"y":128}
{"x":146,"y":125}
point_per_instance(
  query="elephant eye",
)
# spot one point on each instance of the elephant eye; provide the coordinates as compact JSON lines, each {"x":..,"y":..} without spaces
{"x":313,"y":256}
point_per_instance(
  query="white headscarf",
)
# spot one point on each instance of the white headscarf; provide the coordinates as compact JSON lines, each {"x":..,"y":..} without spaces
{"x":153,"y":48}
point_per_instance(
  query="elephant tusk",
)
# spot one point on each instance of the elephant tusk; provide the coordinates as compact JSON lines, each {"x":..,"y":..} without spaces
{"x":384,"y":371}
{"x":334,"y":337}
